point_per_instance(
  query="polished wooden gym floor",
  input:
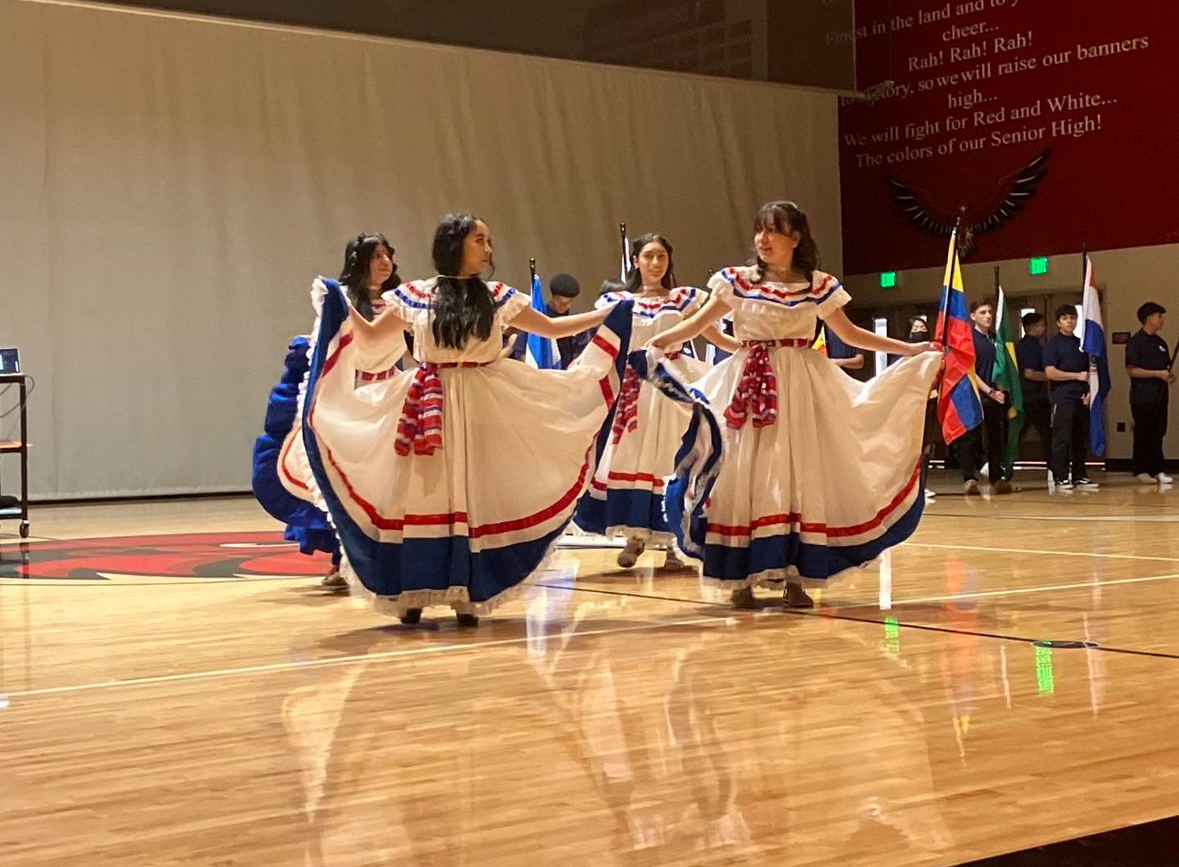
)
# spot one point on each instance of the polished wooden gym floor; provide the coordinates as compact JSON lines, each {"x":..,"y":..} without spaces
{"x":226,"y":711}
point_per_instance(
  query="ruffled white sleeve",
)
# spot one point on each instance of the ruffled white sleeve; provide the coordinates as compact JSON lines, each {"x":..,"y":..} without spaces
{"x":829,"y":295}
{"x":508,"y":301}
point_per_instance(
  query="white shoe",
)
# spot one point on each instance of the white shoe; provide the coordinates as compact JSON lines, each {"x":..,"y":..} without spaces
{"x":630,"y":554}
{"x":1164,"y":479}
{"x":1145,"y":478}
{"x":930,"y":493}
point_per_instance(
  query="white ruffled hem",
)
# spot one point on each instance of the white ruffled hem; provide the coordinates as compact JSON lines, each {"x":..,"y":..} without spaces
{"x":776,"y":579}
{"x":457,"y":598}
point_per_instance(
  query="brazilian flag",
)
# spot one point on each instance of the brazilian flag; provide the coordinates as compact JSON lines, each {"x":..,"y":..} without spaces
{"x":1006,"y":377}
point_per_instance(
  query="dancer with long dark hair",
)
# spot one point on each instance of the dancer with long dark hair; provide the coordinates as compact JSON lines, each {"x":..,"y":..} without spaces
{"x":625,"y":497}
{"x":448,"y":484}
{"x":818,"y":473}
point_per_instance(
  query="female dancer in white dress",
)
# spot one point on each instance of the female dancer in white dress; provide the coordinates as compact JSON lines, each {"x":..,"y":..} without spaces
{"x":820,"y":473}
{"x":281,"y":478}
{"x":625,"y":497}
{"x":449,"y":483}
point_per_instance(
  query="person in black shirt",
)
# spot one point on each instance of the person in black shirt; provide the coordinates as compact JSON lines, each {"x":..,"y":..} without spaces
{"x":1029,"y":354}
{"x":1148,"y":361}
{"x":1067,"y":369}
{"x":994,"y":402}
{"x":563,"y":288}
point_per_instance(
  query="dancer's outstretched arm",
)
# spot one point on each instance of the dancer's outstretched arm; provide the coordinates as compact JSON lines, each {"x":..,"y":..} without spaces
{"x":385,"y":326}
{"x":694,"y":325}
{"x":861,"y":338}
{"x":535,"y":322}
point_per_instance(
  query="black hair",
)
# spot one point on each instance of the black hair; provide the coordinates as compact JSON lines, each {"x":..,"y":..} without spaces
{"x":565,"y":285}
{"x":985,"y":302}
{"x":1149,"y":309}
{"x":354,"y":275}
{"x":610,"y":286}
{"x":1031,"y":318}
{"x":786,"y":218}
{"x":462,"y":308}
{"x":634,"y":280}
{"x":1065,"y":310}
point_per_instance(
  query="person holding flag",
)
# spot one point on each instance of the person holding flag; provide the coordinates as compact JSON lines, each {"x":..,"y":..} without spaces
{"x":1067,"y":367}
{"x":1007,"y":379}
{"x":958,"y":406}
{"x":625,"y":496}
{"x":994,"y":401}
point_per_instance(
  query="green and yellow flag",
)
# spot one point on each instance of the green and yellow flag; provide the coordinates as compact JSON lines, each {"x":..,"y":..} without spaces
{"x":1006,"y":376}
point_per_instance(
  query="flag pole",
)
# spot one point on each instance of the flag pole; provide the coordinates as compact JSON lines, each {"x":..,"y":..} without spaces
{"x":622,"y":246}
{"x":531,"y":273}
{"x":941,"y":338}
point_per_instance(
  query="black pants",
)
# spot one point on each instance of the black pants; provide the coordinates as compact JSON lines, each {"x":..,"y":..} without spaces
{"x":1039,"y":416}
{"x":995,"y":428}
{"x":1150,"y":426}
{"x":1070,"y":439}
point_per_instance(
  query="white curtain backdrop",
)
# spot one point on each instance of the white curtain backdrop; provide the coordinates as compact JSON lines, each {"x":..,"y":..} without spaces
{"x":171,"y":185}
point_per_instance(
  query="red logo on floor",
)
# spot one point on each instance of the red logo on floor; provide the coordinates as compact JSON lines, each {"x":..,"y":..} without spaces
{"x":196,"y":555}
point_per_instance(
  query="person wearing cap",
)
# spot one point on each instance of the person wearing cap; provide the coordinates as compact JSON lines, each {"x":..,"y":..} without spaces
{"x":1148,"y":362}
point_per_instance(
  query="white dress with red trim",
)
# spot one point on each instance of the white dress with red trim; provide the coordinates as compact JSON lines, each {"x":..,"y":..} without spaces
{"x":625,"y":496}
{"x":811,"y":472}
{"x":450,"y":482}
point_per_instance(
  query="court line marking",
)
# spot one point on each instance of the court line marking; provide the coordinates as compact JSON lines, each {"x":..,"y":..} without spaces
{"x":351,"y":658}
{"x":833,"y":614}
{"x":1023,"y":590}
{"x":1154,"y":517}
{"x":1093,"y":554}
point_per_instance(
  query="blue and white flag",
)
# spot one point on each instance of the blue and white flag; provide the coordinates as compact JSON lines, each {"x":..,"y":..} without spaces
{"x":542,"y":351}
{"x":1093,"y":342}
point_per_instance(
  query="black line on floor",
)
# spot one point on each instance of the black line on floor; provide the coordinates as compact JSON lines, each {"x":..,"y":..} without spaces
{"x":833,"y":614}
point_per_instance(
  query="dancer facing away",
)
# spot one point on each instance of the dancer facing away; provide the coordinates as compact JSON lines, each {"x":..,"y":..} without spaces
{"x":625,"y":497}
{"x":281,"y":478}
{"x":448,"y":484}
{"x":820,"y":473}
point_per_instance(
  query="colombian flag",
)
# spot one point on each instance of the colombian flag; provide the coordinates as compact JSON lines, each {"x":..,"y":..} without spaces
{"x":820,"y":344}
{"x":958,"y":407}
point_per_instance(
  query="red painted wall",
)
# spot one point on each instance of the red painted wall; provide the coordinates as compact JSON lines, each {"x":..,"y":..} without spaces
{"x":983,"y":88}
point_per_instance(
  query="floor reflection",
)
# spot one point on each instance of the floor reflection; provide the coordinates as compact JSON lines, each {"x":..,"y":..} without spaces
{"x":607,"y":749}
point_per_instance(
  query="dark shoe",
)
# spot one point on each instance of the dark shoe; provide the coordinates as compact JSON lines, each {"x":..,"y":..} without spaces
{"x":742,"y":597}
{"x":411,"y":616}
{"x":467,"y":621}
{"x":796,"y":597}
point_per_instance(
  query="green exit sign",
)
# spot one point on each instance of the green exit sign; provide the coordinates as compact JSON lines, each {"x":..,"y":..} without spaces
{"x":888,"y":279}
{"x":1038,"y":265}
